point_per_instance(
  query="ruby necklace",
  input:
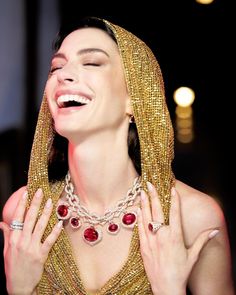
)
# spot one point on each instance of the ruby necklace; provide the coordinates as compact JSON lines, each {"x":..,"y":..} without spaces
{"x":77,"y":214}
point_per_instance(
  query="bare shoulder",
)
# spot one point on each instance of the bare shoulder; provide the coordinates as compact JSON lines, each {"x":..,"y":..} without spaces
{"x":199,"y":211}
{"x":10,"y":206}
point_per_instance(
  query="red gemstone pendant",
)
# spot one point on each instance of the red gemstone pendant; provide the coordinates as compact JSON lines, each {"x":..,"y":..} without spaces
{"x":75,"y":222}
{"x":129,"y":219}
{"x":63,"y":211}
{"x":92,"y":235}
{"x":113,"y":228}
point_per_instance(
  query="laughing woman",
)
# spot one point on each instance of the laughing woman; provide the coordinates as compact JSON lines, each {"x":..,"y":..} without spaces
{"x":102,"y":212}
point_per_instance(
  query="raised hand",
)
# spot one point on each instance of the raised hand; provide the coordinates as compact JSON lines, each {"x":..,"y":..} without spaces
{"x":166,"y":259}
{"x":24,"y":252}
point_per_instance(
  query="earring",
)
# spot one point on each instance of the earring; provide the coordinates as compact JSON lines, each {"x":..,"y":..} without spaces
{"x":131,"y":119}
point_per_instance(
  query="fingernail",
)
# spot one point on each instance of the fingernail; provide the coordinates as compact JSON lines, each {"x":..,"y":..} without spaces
{"x":213,"y":233}
{"x":149,"y":186}
{"x":25,"y":195}
{"x":143,"y":197}
{"x":173,"y":191}
{"x":138,"y":211}
{"x":38,"y":193}
{"x":49,"y":203}
{"x":59,"y":225}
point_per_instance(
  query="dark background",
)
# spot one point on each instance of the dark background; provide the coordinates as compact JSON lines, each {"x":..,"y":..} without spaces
{"x":193,"y":44}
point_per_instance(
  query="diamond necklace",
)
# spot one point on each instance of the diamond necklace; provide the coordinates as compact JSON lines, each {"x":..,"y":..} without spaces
{"x":72,"y":210}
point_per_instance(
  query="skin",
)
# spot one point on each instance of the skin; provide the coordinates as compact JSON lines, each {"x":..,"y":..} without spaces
{"x":178,"y":254}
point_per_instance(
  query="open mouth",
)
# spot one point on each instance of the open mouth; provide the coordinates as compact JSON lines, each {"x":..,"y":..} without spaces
{"x":69,"y":100}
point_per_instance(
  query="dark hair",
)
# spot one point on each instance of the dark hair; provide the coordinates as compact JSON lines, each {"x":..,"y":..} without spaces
{"x":58,"y":156}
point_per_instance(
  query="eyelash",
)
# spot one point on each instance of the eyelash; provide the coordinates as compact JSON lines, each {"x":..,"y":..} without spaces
{"x":86,"y":64}
{"x":54,"y":69}
{"x":92,"y":64}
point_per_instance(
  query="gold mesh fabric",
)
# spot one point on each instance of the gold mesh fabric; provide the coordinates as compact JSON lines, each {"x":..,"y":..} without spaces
{"x":146,"y":89}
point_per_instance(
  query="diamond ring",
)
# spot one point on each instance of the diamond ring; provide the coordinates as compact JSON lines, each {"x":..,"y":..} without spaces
{"x":15,"y":224}
{"x":155,"y":226}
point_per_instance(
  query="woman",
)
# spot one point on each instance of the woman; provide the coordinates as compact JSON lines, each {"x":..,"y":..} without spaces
{"x":105,"y":86}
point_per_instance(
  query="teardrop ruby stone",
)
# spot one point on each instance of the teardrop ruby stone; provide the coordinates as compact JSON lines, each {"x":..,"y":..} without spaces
{"x":129,"y":218}
{"x":113,"y":227}
{"x":62,"y":210}
{"x":90,"y":234}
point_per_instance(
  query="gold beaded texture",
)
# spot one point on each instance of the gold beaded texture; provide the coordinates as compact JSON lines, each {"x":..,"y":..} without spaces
{"x":146,"y":89}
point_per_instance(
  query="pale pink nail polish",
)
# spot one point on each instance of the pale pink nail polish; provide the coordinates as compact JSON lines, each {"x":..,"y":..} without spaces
{"x":25,"y":195}
{"x":149,"y":186}
{"x":213,"y":233}
{"x":39,"y":193}
{"x":49,"y":203}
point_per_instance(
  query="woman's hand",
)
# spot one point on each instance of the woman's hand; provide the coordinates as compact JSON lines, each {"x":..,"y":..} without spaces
{"x":167,"y":261}
{"x":24,"y":253}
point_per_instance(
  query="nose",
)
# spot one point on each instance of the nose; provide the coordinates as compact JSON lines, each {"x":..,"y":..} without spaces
{"x":67,"y":75}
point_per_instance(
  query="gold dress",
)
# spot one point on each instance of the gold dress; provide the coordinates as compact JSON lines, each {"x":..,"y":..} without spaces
{"x":146,"y":89}
{"x":61,"y":274}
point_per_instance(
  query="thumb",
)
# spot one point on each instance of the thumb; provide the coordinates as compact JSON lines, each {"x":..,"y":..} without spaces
{"x":200,"y":242}
{"x":6,"y":231}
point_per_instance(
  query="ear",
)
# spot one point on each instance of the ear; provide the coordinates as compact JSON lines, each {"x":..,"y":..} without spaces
{"x":129,"y":108}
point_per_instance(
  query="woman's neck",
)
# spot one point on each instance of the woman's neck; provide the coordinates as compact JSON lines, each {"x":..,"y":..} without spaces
{"x":101,"y":171}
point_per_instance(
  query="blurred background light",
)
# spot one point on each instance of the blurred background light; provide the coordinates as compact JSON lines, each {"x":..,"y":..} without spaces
{"x":184,"y":96}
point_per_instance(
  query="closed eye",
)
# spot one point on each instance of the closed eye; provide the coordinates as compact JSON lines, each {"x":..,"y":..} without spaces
{"x":92,"y":64}
{"x":54,"y":69}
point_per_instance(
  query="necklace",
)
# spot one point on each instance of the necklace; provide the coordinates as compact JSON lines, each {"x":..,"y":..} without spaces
{"x":77,"y":214}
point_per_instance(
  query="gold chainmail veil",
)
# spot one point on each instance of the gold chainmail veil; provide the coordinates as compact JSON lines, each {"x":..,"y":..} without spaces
{"x":146,"y":89}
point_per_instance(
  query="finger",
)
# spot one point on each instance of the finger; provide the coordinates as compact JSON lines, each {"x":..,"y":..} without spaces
{"x":32,"y":213}
{"x":51,"y":238}
{"x":142,"y":232}
{"x":6,"y":232}
{"x":20,"y":208}
{"x":146,"y":212}
{"x":175,"y":214}
{"x":43,"y":220}
{"x":157,"y":212}
{"x":200,"y":242}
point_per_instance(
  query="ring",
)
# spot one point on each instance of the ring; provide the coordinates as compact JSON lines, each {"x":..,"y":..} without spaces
{"x":15,"y":224}
{"x":155,"y":226}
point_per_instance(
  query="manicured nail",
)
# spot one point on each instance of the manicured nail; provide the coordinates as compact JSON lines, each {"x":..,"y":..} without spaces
{"x":173,"y":191}
{"x":149,"y":186}
{"x":143,"y":197}
{"x":59,"y":225}
{"x":25,"y":195}
{"x":213,"y":233}
{"x":39,"y":193}
{"x":49,"y":203}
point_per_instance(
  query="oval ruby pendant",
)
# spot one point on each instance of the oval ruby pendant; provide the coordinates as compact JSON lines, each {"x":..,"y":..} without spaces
{"x":63,"y":211}
{"x":129,"y":219}
{"x":92,"y":235}
{"x":113,"y":228}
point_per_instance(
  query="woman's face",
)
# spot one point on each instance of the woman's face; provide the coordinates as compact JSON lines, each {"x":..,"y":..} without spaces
{"x":86,"y":90}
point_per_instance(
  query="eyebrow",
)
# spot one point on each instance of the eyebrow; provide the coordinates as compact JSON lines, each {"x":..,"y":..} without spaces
{"x":82,"y":52}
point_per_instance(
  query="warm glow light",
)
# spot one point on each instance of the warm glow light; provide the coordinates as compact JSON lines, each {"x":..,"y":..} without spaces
{"x":184,"y":96}
{"x":204,"y":1}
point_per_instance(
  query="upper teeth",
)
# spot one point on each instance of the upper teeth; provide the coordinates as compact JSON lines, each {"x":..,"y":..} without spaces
{"x":72,"y":97}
